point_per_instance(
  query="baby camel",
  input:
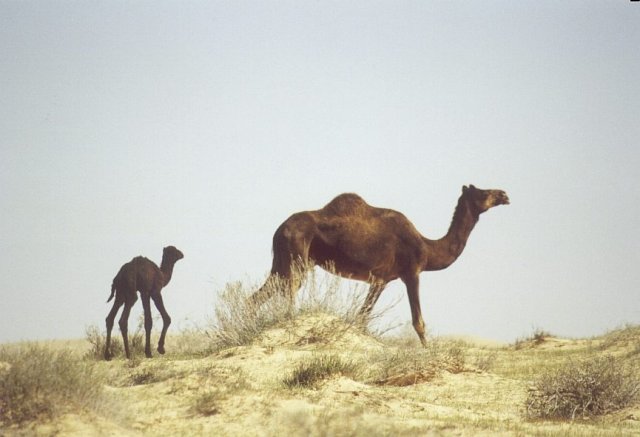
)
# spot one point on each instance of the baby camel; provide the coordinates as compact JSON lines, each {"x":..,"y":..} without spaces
{"x":141,"y":274}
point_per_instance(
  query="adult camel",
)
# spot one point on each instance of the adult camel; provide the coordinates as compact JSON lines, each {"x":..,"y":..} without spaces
{"x":376,"y":245}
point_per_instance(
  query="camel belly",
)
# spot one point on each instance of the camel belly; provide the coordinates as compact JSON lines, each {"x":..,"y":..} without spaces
{"x":359,"y":264}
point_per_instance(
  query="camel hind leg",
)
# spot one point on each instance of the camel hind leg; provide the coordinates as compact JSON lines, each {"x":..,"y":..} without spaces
{"x":124,"y":321}
{"x":290,"y":263}
{"x":109,"y":321}
{"x":375,"y":289}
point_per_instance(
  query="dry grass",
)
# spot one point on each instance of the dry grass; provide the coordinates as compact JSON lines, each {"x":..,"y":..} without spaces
{"x":626,"y":337}
{"x":39,"y":383}
{"x":239,"y":322}
{"x":412,"y":364}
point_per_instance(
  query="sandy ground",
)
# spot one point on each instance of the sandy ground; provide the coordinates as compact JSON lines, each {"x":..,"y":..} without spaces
{"x":239,"y":391}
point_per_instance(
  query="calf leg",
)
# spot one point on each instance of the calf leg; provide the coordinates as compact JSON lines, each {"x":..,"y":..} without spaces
{"x":109,"y":320}
{"x":166,"y":319}
{"x":124,"y":321}
{"x":148,"y":323}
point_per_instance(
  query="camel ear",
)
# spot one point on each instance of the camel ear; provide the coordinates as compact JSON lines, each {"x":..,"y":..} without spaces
{"x":472,"y":187}
{"x":464,"y":188}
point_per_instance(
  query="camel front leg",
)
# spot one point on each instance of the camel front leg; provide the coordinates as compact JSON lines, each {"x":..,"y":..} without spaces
{"x":413,"y":291}
{"x":148,"y":323}
{"x":166,"y":320}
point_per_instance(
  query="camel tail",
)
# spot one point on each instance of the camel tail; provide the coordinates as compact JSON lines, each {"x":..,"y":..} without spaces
{"x":113,"y":292}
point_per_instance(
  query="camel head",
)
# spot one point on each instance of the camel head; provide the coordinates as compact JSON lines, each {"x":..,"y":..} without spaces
{"x":171,"y":253}
{"x":482,"y":200}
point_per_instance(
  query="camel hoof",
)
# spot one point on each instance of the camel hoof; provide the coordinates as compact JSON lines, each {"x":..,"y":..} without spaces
{"x":161,"y":350}
{"x":107,"y":356}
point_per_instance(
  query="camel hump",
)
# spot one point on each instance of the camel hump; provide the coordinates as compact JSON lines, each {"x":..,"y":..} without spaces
{"x":346,"y":204}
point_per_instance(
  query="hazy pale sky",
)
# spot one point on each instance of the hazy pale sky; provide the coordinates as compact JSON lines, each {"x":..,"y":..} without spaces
{"x":129,"y":126}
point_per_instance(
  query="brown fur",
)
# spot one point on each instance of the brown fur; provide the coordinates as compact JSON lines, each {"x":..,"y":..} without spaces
{"x":141,"y":274}
{"x":375,"y":245}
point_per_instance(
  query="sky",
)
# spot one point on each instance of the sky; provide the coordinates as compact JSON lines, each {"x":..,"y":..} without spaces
{"x":129,"y":126}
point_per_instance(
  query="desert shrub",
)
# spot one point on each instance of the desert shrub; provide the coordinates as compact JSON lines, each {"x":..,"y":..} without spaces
{"x":41,"y":383}
{"x":238,"y":321}
{"x":588,"y":387}
{"x":97,"y":341}
{"x":310,"y":372}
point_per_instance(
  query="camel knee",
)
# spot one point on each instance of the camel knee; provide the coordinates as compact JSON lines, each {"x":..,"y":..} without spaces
{"x":123,"y":326}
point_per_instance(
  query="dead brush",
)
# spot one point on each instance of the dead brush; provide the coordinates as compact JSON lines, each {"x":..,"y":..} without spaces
{"x":588,"y":387}
{"x":239,"y":321}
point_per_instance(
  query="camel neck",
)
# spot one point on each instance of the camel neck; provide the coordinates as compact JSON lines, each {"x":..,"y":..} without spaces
{"x":167,"y":270}
{"x":445,"y":251}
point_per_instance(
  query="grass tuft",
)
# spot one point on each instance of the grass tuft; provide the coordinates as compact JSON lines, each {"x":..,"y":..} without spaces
{"x":311,"y":372}
{"x":413,"y":365}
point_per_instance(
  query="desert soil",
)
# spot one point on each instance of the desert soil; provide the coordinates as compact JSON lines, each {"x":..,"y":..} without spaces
{"x":239,"y":391}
